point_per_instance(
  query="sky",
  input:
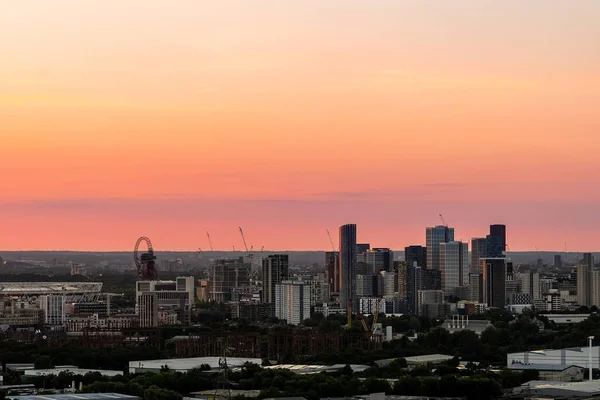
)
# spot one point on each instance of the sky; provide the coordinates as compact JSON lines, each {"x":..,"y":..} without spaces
{"x":121,"y":119}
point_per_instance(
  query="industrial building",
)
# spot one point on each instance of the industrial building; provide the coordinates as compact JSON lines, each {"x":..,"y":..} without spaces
{"x":186,"y":364}
{"x":558,"y":390}
{"x":552,"y":372}
{"x":578,"y":356}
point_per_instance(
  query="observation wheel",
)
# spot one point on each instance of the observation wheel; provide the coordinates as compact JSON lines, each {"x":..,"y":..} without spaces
{"x":145,"y":262}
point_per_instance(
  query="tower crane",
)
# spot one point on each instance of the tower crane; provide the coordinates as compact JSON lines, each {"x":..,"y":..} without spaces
{"x":209,"y":241}
{"x":443,"y":221}
{"x":330,"y":240}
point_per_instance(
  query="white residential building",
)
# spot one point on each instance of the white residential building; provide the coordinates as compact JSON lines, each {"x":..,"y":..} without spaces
{"x":292,"y":302}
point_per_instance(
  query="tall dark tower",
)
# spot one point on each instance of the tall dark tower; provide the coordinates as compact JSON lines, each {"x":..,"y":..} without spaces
{"x":499,"y":230}
{"x":348,"y":267}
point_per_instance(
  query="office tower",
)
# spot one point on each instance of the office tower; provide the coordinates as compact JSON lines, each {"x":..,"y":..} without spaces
{"x":584,"y":280}
{"x":432,"y":279}
{"x":292,"y":302}
{"x":416,"y":254}
{"x":499,"y":230}
{"x":361,"y":252}
{"x":362,"y":248}
{"x":558,"y":261}
{"x":348,"y":266}
{"x":413,"y":286}
{"x":332,"y":264}
{"x":148,"y":309}
{"x":227,"y":276}
{"x":390,"y":283}
{"x":362,"y":268}
{"x":381,"y":259}
{"x":454,"y":265}
{"x":429,"y":298}
{"x":476,"y":287}
{"x":54,"y":309}
{"x":530,"y":284}
{"x":478,"y":251}
{"x":275,"y":269}
{"x":494,"y":281}
{"x":401,"y":270}
{"x":364,"y":285}
{"x":436,"y":236}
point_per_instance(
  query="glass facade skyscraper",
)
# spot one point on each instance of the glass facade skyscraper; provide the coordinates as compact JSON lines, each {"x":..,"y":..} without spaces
{"x":435,"y":236}
{"x":348,"y":262}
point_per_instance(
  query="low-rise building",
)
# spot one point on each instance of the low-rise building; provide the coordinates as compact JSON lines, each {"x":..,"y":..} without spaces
{"x":552,"y":372}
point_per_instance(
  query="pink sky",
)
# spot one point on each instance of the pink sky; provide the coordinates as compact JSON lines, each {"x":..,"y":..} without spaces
{"x":168,"y":119}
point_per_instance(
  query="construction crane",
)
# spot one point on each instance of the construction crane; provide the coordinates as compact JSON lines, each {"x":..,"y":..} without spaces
{"x":375,"y":318}
{"x":209,"y":241}
{"x":443,"y":221}
{"x":330,"y":240}
{"x":249,"y":251}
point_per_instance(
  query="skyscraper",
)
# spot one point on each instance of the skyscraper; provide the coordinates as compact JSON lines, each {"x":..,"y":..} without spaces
{"x":275,"y":269}
{"x":585,"y":289}
{"x":454,"y":265}
{"x":381,"y":259}
{"x":416,"y":254}
{"x":478,"y":248}
{"x":348,"y":266}
{"x":435,"y":236}
{"x":332,"y":265}
{"x":499,"y":230}
{"x":496,"y":241}
{"x":494,"y":281}
{"x":413,"y":286}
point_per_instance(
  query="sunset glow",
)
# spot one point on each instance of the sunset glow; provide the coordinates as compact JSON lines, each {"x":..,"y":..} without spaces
{"x":167,"y":119}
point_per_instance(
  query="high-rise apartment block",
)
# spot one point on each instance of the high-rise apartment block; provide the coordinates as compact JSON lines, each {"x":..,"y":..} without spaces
{"x":275,"y":269}
{"x":348,"y":249}
{"x":292,"y":302}
{"x":436,"y":236}
{"x":54,"y":309}
{"x":416,"y":254}
{"x":332,"y":270}
{"x":228,"y":275}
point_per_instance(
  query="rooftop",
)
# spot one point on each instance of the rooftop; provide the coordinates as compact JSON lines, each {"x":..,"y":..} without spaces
{"x":74,"y":371}
{"x":315,"y":369}
{"x":429,"y":358}
{"x":560,"y":389}
{"x":186,"y":364}
{"x":541,"y":367}
{"x":79,"y":396}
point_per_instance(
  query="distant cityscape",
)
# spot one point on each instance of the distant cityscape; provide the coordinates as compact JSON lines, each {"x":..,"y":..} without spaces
{"x":438,"y":279}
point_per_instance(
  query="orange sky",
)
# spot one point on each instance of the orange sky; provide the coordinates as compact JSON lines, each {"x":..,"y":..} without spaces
{"x":167,"y":119}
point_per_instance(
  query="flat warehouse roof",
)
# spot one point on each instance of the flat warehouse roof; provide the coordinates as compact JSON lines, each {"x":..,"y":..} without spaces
{"x":80,"y":396}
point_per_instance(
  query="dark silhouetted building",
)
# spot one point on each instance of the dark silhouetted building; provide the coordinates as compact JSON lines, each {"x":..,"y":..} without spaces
{"x":332,"y":265}
{"x":381,"y":259}
{"x":348,"y":249}
{"x":414,"y":284}
{"x":432,"y":279}
{"x":499,"y":230}
{"x":558,"y":262}
{"x":435,"y":236}
{"x":478,"y":251}
{"x":275,"y":269}
{"x":494,"y":281}
{"x":416,"y":254}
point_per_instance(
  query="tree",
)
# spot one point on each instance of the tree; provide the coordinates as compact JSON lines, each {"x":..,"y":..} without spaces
{"x":43,"y":362}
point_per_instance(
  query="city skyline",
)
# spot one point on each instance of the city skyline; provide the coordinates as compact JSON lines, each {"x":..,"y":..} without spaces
{"x":138,"y":118}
